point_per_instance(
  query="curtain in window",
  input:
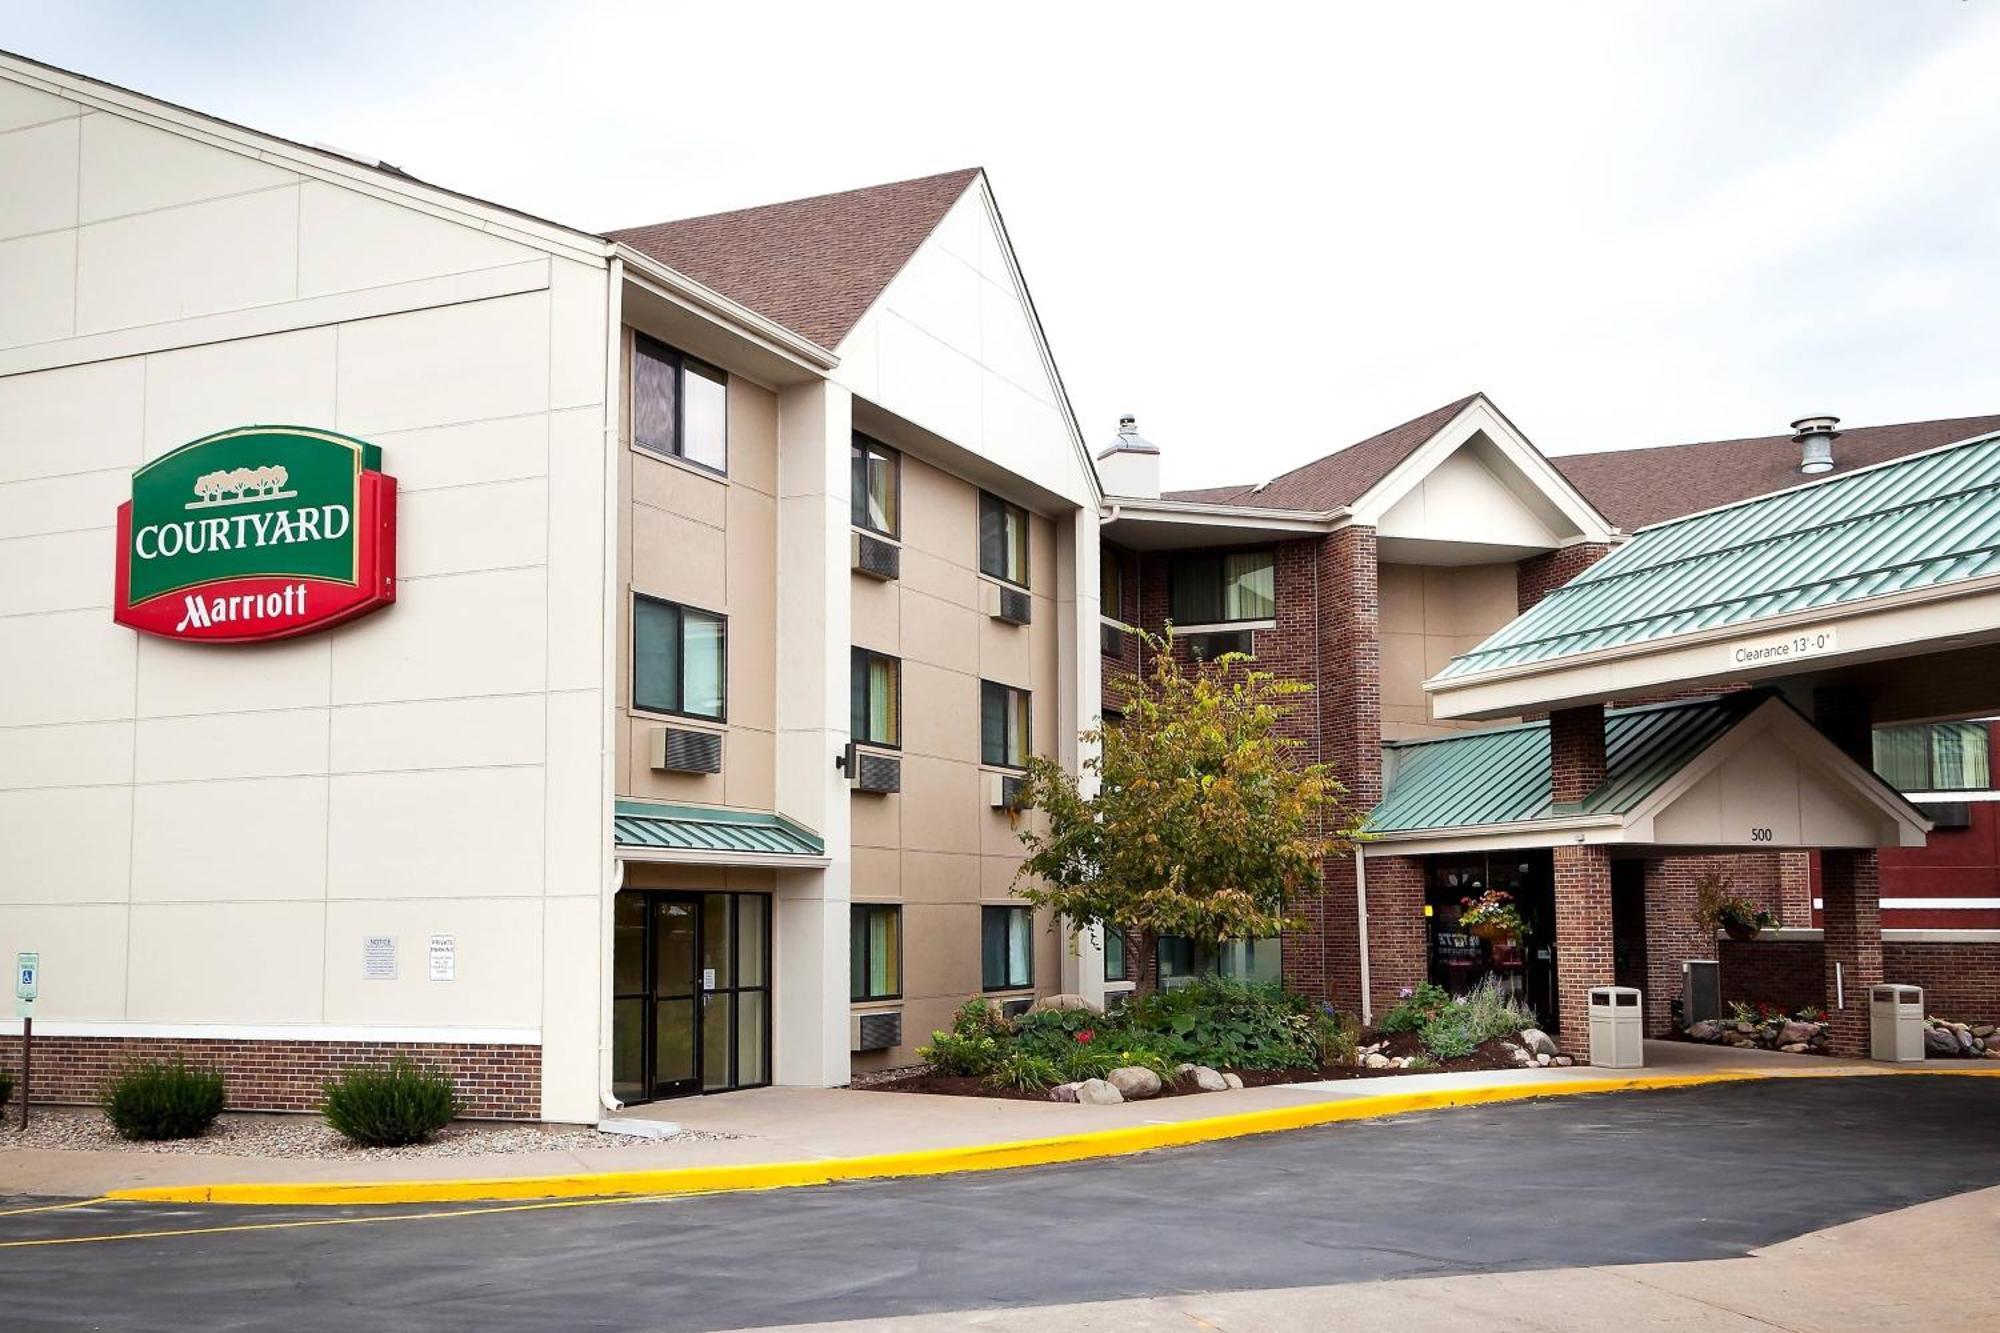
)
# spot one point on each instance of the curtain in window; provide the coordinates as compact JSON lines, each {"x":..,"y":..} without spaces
{"x":1020,"y":942}
{"x":1110,"y":586}
{"x":993,"y":949}
{"x":655,"y":657}
{"x":1114,"y":954}
{"x":1197,"y":592}
{"x":1958,"y":757}
{"x":992,"y":723}
{"x":886,"y":726}
{"x":1248,"y":586}
{"x":883,"y":966}
{"x":655,"y":375}
{"x":705,"y":416}
{"x":1902,"y":757}
{"x":992,"y":537}
{"x":702,"y":664}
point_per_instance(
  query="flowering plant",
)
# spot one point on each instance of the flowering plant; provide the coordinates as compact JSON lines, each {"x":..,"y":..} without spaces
{"x":1086,"y":1036}
{"x":1491,"y":913}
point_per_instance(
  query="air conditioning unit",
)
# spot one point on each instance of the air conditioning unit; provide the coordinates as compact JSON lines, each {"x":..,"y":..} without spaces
{"x":1012,"y":605}
{"x":1003,"y":790}
{"x":1207,"y":647}
{"x":1015,"y":1008}
{"x":881,"y":1030}
{"x":1111,"y":640}
{"x":876,"y":558}
{"x":686,"y":750}
{"x":871,"y":770}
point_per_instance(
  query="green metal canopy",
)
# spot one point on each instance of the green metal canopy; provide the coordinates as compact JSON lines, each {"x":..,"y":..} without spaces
{"x":711,"y":835}
{"x":1914,"y":523}
{"x":1502,"y":776}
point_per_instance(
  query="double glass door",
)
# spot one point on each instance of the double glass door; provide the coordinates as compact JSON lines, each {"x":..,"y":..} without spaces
{"x":691,"y":998}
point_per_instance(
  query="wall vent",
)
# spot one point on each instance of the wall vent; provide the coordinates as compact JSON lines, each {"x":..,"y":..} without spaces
{"x":870,"y":770}
{"x":878,"y":1031}
{"x":876,"y":558}
{"x":1111,"y":640}
{"x":1012,"y":605}
{"x":685,"y":750}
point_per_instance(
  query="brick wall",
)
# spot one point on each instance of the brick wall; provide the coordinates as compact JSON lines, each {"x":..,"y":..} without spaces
{"x":1583,"y":937}
{"x":497,"y":1082}
{"x":1849,"y":888}
{"x":1788,"y":973}
{"x":1960,"y":981}
{"x":1539,"y":575}
{"x":1576,"y":752}
{"x":1398,"y":943}
{"x":1672,"y":937}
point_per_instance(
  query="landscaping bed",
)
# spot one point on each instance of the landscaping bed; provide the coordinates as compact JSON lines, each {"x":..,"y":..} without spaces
{"x":1764,"y":1027}
{"x":307,"y":1136}
{"x":1210,"y":1036}
{"x":1946,"y":1040}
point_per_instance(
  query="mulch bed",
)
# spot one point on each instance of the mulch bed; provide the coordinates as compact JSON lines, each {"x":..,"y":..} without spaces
{"x":1491,"y":1055}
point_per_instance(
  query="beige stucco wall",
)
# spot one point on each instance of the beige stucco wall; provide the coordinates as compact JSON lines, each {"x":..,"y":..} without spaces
{"x":1429,"y":614}
{"x":709,"y":542}
{"x":937,"y":847}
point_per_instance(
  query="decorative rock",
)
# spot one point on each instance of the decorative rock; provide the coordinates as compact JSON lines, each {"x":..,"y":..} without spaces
{"x":1993,"y":1052}
{"x":1521,"y":1057}
{"x":1135,"y":1083}
{"x":1065,"y":1001}
{"x":1538,"y":1042}
{"x":1795,"y":1032}
{"x":1963,"y":1036}
{"x":1064,"y":1092}
{"x":1545,"y":1059}
{"x":1940,"y":1041}
{"x":1232,"y":1081}
{"x":1375,"y":1060}
{"x":1096,"y":1092}
{"x":1208,"y":1080}
{"x":1982,"y":1030}
{"x":1185,"y":1067}
{"x":1564,"y":1062}
{"x":1794,"y":1048}
{"x":1706,"y":1030}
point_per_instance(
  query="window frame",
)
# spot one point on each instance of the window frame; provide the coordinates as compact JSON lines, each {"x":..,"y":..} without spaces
{"x":858,"y":659}
{"x":646,"y":345}
{"x":1027,"y":697}
{"x":1124,"y":955}
{"x":1005,"y":508}
{"x":989,"y":912}
{"x":857,"y":505}
{"x":680,"y":610}
{"x":1111,"y":566}
{"x":856,"y":915}
{"x":1216,"y":559}
{"x":1930,"y":732}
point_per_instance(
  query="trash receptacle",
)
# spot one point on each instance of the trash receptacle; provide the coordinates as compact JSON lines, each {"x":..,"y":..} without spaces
{"x":1896,"y":1023}
{"x":1617,"y":1028}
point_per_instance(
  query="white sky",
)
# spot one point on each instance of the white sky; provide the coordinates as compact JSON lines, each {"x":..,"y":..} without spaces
{"x":1268,"y":231}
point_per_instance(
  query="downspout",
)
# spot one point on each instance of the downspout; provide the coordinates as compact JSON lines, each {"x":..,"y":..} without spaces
{"x":613,"y":600}
{"x":1361,"y":902}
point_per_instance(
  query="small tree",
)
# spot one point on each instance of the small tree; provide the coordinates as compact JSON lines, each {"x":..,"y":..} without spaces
{"x":1204,"y":824}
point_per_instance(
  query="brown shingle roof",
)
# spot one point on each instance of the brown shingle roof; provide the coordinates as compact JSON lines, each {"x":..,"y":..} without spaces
{"x":813,"y":265}
{"x":1341,"y":477}
{"x":1636,"y":487}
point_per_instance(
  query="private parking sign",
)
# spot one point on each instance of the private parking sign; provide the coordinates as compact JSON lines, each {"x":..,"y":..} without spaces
{"x":27,"y":982}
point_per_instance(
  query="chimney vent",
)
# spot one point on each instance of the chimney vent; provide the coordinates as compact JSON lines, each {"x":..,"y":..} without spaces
{"x":1815,"y":437}
{"x":1131,"y":465}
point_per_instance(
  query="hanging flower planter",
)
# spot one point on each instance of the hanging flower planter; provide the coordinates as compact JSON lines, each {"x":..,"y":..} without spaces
{"x":1491,"y":916}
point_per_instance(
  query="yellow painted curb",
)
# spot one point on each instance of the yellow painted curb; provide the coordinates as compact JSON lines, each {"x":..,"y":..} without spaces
{"x":943,"y":1161}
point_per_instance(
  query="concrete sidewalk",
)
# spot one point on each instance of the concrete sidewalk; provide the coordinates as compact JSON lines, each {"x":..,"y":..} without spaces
{"x":770,"y":1125}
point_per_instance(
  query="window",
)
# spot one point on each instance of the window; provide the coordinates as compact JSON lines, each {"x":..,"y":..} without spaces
{"x":679,"y":659}
{"x":877,"y":685}
{"x":680,"y":407}
{"x":1110,"y":586}
{"x":875,"y":952}
{"x":1114,"y":955}
{"x":1182,"y":960}
{"x":1003,"y":725}
{"x":877,"y":486}
{"x":1211,"y":589}
{"x":1006,"y":952}
{"x":1935,"y":756}
{"x":1003,"y":539}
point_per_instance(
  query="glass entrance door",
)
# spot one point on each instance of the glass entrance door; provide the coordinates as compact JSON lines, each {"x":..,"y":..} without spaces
{"x":691,"y":994}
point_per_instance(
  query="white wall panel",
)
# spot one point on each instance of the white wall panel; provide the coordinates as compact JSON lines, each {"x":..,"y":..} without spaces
{"x":39,"y":166}
{"x":280,"y":743}
{"x":82,"y":949}
{"x":62,"y":571}
{"x":84,"y":754}
{"x":503,"y":450}
{"x":576,"y":549}
{"x":259,"y":839}
{"x":61,"y":504}
{"x":436,"y":367}
{"x":67,"y":666}
{"x":22,"y":106}
{"x":77,"y":419}
{"x":66,"y":844}
{"x":226,"y":963}
{"x":466,"y":528}
{"x":179,"y":678}
{"x":446,"y":637}
{"x":38,"y":274}
{"x":497,"y":948}
{"x":286,"y":379}
{"x":349,"y":240}
{"x":129,"y":167}
{"x":471,"y":832}
{"x":222,"y":255}
{"x":450,"y":733}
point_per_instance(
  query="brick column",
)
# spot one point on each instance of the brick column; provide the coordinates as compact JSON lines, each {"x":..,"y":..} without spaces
{"x":1398,"y":943}
{"x":1672,"y":937}
{"x":1795,"y":892}
{"x":1576,"y":753}
{"x":1583,"y":938}
{"x":1348,"y":662}
{"x":1849,"y":886}
{"x":1539,"y":575}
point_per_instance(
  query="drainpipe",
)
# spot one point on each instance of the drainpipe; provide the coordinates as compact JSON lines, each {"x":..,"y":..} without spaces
{"x":1361,"y":907}
{"x":604,"y":1094}
{"x":614,"y":340}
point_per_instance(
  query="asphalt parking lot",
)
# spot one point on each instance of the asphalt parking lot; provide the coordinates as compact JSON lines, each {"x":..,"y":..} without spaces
{"x":1701,"y":1173}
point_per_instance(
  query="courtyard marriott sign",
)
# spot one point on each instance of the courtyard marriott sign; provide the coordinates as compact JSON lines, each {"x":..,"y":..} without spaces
{"x":256,"y":533}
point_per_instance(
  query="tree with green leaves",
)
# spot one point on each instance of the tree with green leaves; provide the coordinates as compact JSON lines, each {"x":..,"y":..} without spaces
{"x":1205,"y":821}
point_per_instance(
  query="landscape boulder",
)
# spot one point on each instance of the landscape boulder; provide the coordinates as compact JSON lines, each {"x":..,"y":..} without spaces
{"x":1706,"y":1030}
{"x":1208,"y":1080}
{"x":1234,"y":1083}
{"x":1097,"y":1092}
{"x":1135,"y":1083}
{"x":1796,"y":1032}
{"x":1063,"y":1092}
{"x":1065,"y":1001}
{"x":1940,"y":1042}
{"x":1538,"y":1042}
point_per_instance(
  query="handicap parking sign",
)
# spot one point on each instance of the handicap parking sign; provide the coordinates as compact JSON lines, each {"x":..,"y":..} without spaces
{"x":27,"y":976}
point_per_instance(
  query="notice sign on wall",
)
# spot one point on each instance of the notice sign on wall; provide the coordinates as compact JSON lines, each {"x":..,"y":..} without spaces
{"x":1782,"y":648}
{"x":261,"y":532}
{"x":378,"y":958}
{"x":444,"y":958}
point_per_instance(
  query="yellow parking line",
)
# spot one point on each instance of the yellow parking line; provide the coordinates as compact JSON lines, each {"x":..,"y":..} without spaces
{"x":51,"y":1207}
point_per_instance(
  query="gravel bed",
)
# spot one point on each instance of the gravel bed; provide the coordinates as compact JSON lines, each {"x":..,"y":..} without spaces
{"x":309,"y":1136}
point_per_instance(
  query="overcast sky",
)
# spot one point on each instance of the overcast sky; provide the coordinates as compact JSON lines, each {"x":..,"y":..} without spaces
{"x":1267,"y":231}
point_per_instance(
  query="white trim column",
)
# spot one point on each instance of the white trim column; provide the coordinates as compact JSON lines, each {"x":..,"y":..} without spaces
{"x":810,"y":920}
{"x":1080,"y":668}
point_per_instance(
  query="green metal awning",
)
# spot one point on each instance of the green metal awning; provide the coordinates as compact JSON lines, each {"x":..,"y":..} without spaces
{"x":651,"y":831}
{"x":1901,"y":527}
{"x":1502,"y":776}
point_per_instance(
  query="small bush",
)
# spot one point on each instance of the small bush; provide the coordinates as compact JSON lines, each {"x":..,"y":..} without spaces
{"x":1335,"y":1035}
{"x":1228,"y":1024}
{"x":980,"y":1017}
{"x":165,"y":1099}
{"x":1422,"y":1005}
{"x":6,"y":1088}
{"x":954,"y":1054}
{"x":1463,"y":1025}
{"x":389,"y":1105}
{"x":1028,"y":1073}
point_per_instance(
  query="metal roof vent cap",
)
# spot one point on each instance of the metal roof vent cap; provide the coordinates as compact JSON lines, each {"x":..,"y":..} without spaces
{"x":1131,"y":466}
{"x":1815,"y":437}
{"x":1130,"y":439}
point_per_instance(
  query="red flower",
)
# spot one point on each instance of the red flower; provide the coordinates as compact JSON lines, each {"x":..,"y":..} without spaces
{"x":1086,"y":1036}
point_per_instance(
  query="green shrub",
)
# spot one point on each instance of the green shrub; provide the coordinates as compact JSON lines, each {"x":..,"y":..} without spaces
{"x":1229,"y":1024}
{"x":979,"y":1017}
{"x":164,"y":1099}
{"x":1336,"y":1036}
{"x":954,"y":1054}
{"x":1489,"y":1011}
{"x":1422,"y":1005}
{"x":1448,"y":1036}
{"x":6,"y":1088}
{"x":386,"y":1106}
{"x":1029,"y":1073}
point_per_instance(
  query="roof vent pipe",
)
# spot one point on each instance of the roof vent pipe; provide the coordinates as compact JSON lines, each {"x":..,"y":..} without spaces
{"x":1815,"y":437}
{"x":1131,"y":466}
